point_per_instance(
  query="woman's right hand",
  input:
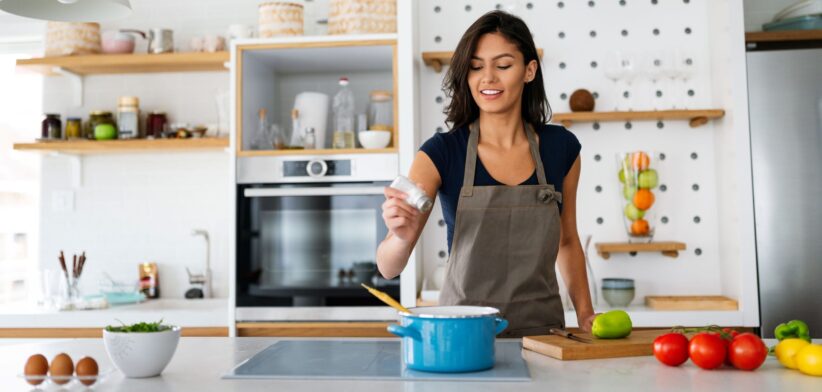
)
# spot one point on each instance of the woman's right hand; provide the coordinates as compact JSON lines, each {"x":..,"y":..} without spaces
{"x":401,"y":218}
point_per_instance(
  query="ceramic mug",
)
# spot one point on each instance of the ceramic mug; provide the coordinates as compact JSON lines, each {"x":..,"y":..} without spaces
{"x":240,"y":31}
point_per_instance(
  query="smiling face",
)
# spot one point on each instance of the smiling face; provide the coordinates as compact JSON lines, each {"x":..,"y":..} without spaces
{"x":498,"y":74}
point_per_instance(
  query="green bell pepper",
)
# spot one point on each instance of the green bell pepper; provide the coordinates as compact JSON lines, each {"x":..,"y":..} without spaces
{"x":792,"y":329}
{"x":615,"y":324}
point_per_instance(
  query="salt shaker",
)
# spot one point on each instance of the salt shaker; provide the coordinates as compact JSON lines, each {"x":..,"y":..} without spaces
{"x":416,"y":196}
{"x":309,"y":139}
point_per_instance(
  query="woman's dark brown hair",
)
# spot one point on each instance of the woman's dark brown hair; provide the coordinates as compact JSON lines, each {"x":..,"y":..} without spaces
{"x":463,"y":110}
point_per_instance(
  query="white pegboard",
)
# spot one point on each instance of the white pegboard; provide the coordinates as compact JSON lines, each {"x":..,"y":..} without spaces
{"x":574,"y":34}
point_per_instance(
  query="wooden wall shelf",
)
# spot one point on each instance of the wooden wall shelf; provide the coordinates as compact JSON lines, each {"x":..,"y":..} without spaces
{"x":326,"y":151}
{"x":123,"y":146}
{"x":437,"y":60}
{"x":777,"y":40}
{"x":668,"y":248}
{"x":695,"y":118}
{"x":128,"y":63}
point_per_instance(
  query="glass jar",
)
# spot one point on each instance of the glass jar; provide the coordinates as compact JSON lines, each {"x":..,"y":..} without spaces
{"x":51,"y":127}
{"x":156,"y":124}
{"x":102,"y":125}
{"x":381,"y":111}
{"x":74,"y":128}
{"x":128,"y":118}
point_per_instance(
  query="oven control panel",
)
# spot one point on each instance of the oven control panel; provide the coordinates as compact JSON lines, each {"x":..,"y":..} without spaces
{"x":317,"y":168}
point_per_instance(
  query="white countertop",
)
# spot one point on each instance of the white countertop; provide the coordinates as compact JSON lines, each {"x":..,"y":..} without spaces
{"x":199,"y":363}
{"x":212,"y":312}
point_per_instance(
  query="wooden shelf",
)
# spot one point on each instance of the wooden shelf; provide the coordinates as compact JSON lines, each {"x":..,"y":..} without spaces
{"x":325,"y":151}
{"x":780,"y":40}
{"x":121,"y":146}
{"x":128,"y":63}
{"x":668,"y":248}
{"x":695,"y":117}
{"x":437,"y":60}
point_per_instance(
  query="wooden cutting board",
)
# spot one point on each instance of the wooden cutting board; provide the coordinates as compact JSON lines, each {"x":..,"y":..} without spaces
{"x":638,"y":343}
{"x":691,"y":302}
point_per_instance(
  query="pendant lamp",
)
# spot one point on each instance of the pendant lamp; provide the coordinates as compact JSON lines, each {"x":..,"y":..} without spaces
{"x":68,"y":10}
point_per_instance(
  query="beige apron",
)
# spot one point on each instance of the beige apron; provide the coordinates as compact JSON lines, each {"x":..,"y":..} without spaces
{"x":505,"y":246}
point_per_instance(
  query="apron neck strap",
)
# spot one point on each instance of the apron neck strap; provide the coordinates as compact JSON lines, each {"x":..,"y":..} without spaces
{"x":471,"y":157}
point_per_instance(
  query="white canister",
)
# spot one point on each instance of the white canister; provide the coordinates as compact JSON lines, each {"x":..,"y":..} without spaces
{"x":239,"y":31}
{"x":362,"y":16}
{"x":280,"y":18}
{"x":313,"y":113}
{"x":69,"y":38}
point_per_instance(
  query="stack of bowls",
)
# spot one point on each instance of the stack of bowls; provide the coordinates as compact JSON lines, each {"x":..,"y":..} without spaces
{"x":618,"y":292}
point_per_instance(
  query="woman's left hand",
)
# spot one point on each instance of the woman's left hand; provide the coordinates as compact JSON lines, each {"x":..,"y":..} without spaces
{"x":588,"y":322}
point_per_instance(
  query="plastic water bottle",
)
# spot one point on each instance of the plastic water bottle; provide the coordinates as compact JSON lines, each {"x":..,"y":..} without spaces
{"x":343,"y":106}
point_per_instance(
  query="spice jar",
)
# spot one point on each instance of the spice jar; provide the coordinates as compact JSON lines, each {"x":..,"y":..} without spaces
{"x":128,"y":117}
{"x":380,"y":111}
{"x":156,"y":124}
{"x":51,"y":127}
{"x":416,"y":196}
{"x":74,"y":128}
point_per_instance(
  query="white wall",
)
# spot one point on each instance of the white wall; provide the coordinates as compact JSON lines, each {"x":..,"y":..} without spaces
{"x":136,"y":208}
{"x":758,"y":12}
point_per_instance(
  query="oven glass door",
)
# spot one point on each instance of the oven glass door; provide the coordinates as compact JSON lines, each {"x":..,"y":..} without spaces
{"x":310,"y":245}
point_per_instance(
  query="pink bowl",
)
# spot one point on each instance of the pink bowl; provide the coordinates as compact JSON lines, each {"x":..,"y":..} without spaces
{"x":118,"y":44}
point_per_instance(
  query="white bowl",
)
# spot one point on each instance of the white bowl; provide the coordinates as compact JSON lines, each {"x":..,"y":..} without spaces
{"x":141,"y":354}
{"x":375,"y":139}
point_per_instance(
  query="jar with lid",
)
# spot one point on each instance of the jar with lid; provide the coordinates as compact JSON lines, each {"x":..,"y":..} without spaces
{"x":156,"y":124}
{"x":51,"y":127}
{"x":102,"y":125}
{"x":380,"y":111}
{"x":128,"y":117}
{"x":74,"y":127}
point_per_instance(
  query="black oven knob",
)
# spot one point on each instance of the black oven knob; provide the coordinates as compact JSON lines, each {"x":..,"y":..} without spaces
{"x":316,"y":168}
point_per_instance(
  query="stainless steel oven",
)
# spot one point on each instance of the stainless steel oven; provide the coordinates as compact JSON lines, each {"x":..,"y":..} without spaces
{"x":307,"y":235}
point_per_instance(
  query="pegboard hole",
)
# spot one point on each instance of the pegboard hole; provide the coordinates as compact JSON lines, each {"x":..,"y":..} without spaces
{"x":691,"y":93}
{"x":529,"y":6}
{"x":694,"y":155}
{"x":562,"y":65}
{"x":698,"y":251}
{"x":697,"y":219}
{"x":659,"y":93}
{"x":628,"y":125}
{"x":593,"y":34}
{"x":468,"y":8}
{"x":442,"y":254}
{"x":600,"y":221}
{"x":626,"y":94}
{"x":563,"y":96}
{"x":560,"y":4}
{"x":595,"y":94}
{"x":591,"y":4}
{"x":593,"y":64}
{"x":622,"y":2}
{"x":663,"y":188}
{"x":437,"y":9}
{"x":438,"y":99}
{"x":439,"y":129}
{"x":656,"y":31}
{"x":597,"y":157}
{"x":598,"y":189}
{"x":624,"y":33}
{"x":498,"y":6}
{"x":438,"y":39}
{"x":687,"y":30}
{"x":441,"y":222}
{"x":695,"y":187}
{"x":660,"y":124}
{"x":664,"y":220}
{"x":596,"y":126}
{"x":662,"y":156}
{"x":653,"y":2}
{"x":561,"y":34}
{"x":633,"y":254}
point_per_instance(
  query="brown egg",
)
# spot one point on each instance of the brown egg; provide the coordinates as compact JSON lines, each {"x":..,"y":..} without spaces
{"x":87,"y":367}
{"x":61,"y":366}
{"x":36,"y":365}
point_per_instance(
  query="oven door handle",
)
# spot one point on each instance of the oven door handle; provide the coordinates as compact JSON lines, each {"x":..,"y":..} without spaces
{"x":325,"y":191}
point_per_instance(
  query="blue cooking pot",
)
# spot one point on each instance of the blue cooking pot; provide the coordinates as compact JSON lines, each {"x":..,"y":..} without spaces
{"x":449,"y":339}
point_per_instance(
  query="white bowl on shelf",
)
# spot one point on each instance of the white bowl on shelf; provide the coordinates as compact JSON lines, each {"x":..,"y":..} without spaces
{"x":141,"y":354}
{"x":374,"y":139}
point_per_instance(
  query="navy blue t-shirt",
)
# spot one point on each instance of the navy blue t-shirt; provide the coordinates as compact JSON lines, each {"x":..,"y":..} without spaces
{"x":558,"y":149}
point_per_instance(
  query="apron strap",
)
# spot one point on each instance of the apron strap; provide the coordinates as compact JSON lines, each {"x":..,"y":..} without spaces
{"x":534,"y":145}
{"x":470,"y":160}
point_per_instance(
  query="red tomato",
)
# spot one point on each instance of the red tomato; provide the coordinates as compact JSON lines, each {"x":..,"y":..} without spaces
{"x":671,"y":349}
{"x":747,"y":351}
{"x":707,"y":350}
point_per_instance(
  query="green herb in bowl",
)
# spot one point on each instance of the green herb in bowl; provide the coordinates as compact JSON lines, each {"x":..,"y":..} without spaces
{"x":139,"y":327}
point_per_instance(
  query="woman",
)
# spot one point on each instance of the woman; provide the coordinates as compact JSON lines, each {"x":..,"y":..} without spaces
{"x":503,"y":176}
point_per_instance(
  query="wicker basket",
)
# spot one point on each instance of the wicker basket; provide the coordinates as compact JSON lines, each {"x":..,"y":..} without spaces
{"x":362,"y":16}
{"x":68,"y":38}
{"x":280,"y":18}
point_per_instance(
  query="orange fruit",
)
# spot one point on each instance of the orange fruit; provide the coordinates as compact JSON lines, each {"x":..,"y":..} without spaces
{"x":640,"y":227}
{"x":640,"y":161}
{"x":643,"y":199}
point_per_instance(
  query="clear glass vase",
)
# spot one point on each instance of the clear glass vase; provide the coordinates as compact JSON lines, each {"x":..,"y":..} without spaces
{"x":638,"y":179}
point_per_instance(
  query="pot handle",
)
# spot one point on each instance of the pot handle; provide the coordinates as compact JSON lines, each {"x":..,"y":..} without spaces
{"x":501,"y":324}
{"x":408,"y":332}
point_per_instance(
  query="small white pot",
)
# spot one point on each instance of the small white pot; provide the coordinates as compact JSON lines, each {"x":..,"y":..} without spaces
{"x":141,"y":354}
